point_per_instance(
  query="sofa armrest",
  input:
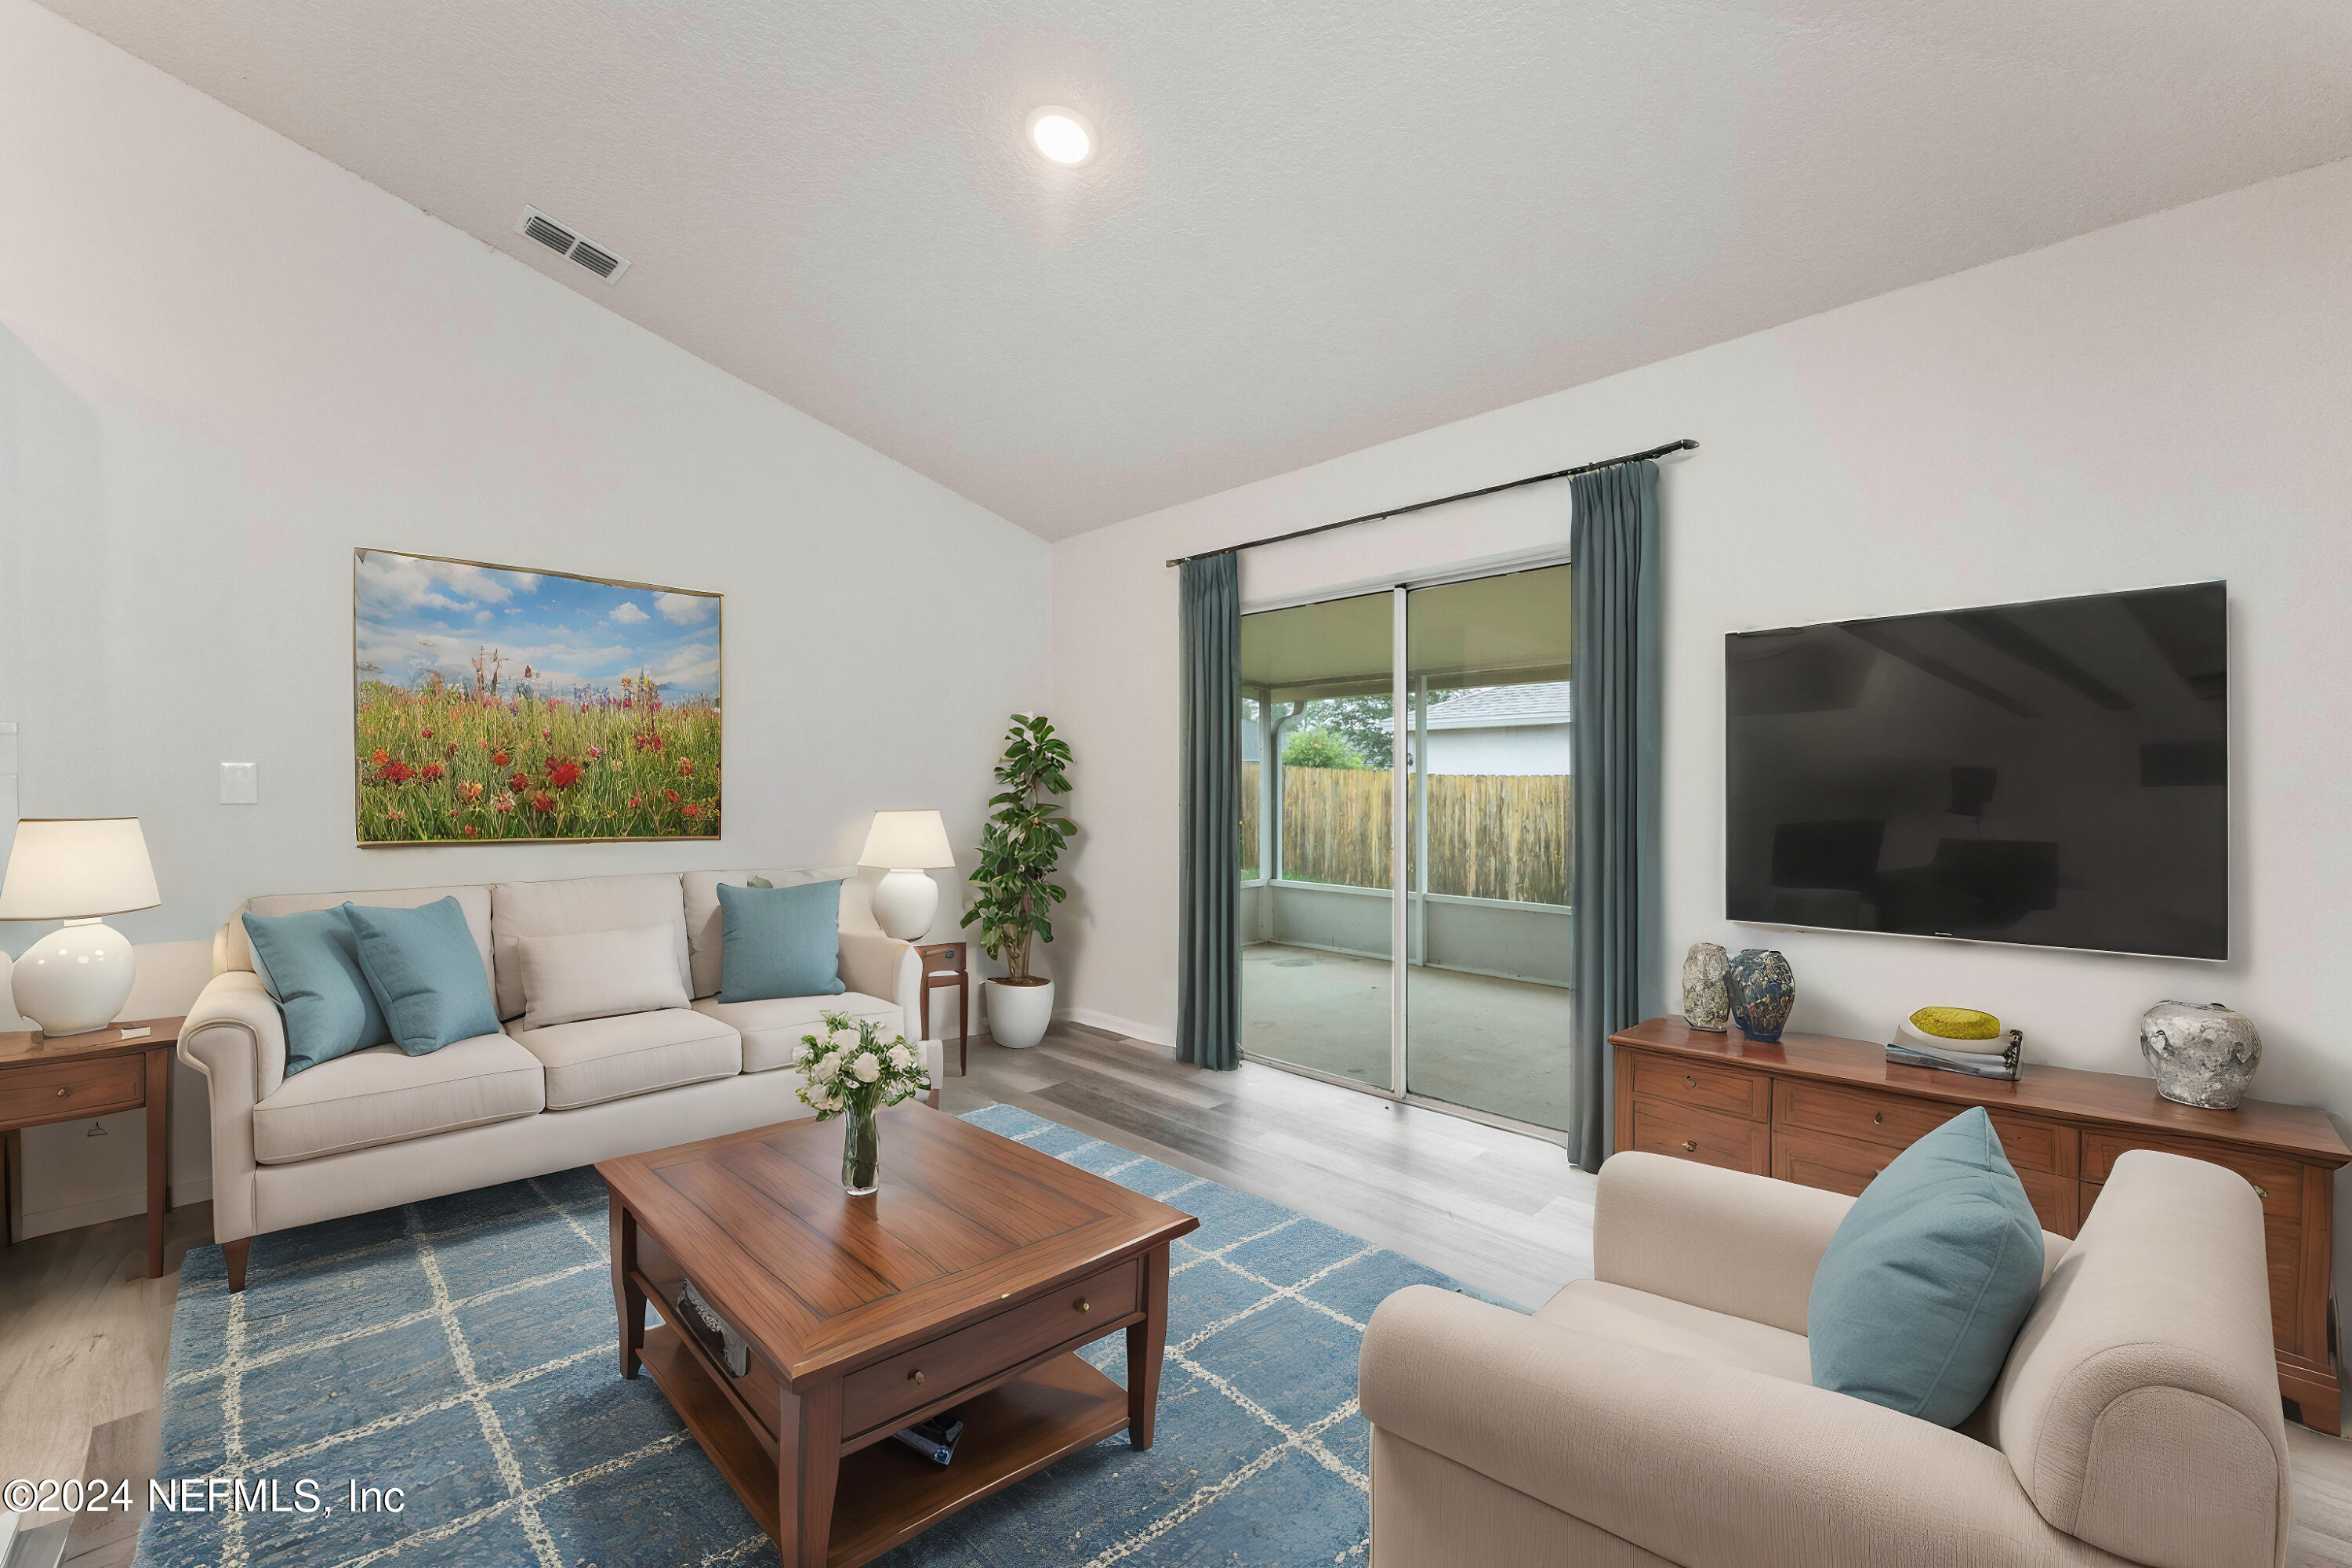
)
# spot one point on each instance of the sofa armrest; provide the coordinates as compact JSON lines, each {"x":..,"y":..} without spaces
{"x":237,"y":1038}
{"x":1747,"y":1246}
{"x":884,"y":966}
{"x":1707,"y":1465}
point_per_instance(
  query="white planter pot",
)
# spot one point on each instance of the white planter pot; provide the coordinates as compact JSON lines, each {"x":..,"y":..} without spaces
{"x":1017,"y":1015}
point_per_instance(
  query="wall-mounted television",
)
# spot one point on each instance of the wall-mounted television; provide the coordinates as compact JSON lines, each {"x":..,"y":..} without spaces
{"x":2054,"y":773}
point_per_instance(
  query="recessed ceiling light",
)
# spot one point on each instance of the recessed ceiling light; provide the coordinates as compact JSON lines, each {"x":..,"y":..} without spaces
{"x":1062,"y":134}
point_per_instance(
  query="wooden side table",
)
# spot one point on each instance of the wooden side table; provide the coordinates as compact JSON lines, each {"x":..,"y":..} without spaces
{"x":947,"y":963}
{"x":64,"y":1077}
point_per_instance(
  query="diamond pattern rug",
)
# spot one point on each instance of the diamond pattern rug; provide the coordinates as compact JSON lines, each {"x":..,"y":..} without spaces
{"x":461,"y":1351}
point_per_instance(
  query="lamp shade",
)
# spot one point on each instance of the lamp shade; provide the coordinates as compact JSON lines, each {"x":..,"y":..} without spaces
{"x":907,"y":841}
{"x":71,"y":868}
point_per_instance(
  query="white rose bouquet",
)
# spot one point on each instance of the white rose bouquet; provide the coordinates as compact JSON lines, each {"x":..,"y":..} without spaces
{"x":849,"y":1070}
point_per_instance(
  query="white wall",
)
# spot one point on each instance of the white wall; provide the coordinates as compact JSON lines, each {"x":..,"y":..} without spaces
{"x":2160,"y":402}
{"x":1504,"y":750}
{"x":226,"y":363}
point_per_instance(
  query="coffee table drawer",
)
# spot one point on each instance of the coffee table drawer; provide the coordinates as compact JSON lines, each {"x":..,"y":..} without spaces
{"x":60,"y":1090}
{"x":916,"y":1377}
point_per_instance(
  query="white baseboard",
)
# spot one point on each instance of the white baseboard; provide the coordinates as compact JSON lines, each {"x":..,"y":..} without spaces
{"x":1145,"y":1033}
{"x":97,"y":1211}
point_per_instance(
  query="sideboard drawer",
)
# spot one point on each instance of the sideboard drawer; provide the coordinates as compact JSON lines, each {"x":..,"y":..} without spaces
{"x":60,"y":1092}
{"x":2278,"y":1182}
{"x":2033,"y":1144}
{"x":1709,"y":1137}
{"x":916,"y":1377}
{"x":1834,"y":1164}
{"x":1847,"y":1165}
{"x":1898,"y":1121}
{"x":1747,"y":1095}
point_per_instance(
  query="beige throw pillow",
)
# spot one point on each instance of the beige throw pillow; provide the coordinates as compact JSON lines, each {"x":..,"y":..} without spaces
{"x":599,"y":974}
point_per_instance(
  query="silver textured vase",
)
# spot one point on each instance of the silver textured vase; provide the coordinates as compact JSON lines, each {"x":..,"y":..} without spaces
{"x":2200,"y":1052}
{"x":1707,"y":1003}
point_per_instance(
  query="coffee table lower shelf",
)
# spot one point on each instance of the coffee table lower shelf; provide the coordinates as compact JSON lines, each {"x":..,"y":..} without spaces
{"x":887,"y":1492}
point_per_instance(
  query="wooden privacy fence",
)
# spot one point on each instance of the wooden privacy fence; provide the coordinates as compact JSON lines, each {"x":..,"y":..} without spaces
{"x":1491,"y":836}
{"x":1249,"y":818}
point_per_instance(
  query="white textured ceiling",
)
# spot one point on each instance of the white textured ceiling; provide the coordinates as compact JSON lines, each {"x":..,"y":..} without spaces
{"x":1311,"y":226}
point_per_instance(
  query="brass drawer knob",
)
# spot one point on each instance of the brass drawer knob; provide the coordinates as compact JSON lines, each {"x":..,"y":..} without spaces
{"x":1877,"y":1118}
{"x":1690,"y":1080}
{"x":916,"y":1375}
{"x":1084,"y":1305}
{"x":1689,"y":1147}
{"x":2260,"y":1192}
{"x":61,"y":1093}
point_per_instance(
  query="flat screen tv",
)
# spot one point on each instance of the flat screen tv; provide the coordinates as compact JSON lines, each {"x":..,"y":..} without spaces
{"x":2054,"y":773}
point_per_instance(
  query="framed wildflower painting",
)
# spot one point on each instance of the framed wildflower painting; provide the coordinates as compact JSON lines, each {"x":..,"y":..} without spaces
{"x":497,"y":704}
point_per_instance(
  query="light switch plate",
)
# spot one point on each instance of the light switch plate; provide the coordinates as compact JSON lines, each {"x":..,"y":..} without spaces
{"x":240,"y":784}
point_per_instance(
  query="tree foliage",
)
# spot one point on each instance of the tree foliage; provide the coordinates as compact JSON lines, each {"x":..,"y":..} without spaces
{"x":1366,"y":724}
{"x":1013,"y":890}
{"x":1320,"y":748}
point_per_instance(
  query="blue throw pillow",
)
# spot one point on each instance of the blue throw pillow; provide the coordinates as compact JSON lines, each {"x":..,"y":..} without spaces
{"x":425,"y":972}
{"x":1928,"y":1277}
{"x":779,"y":942}
{"x":310,"y":962}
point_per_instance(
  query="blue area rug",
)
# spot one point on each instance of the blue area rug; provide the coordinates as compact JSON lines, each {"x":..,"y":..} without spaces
{"x":462,"y":1349}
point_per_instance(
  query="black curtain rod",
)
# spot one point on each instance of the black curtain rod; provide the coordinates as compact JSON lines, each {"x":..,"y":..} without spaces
{"x":1684,"y":444}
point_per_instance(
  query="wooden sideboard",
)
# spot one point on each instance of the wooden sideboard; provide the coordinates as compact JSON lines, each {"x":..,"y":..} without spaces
{"x":1830,"y":1112}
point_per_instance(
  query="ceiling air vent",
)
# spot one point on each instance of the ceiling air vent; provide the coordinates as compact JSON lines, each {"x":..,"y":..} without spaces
{"x":564,"y":242}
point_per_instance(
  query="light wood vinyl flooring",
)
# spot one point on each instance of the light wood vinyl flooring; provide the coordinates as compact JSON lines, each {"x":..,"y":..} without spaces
{"x":83,"y":1340}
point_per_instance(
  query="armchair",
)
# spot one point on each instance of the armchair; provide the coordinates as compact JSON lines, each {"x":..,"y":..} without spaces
{"x":1662,"y":1412}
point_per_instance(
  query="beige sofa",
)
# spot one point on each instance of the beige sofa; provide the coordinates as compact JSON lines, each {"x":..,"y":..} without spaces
{"x":378,"y":1128}
{"x":1664,"y":1413}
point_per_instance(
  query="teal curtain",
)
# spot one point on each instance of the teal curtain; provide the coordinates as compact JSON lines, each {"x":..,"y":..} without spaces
{"x":1614,"y":548}
{"x":1208,"y":975}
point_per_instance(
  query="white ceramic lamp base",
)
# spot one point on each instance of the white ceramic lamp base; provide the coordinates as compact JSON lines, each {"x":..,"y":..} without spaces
{"x":76,"y":979}
{"x":905,"y":903}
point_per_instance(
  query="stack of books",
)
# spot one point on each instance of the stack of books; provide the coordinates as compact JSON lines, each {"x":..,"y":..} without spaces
{"x":1971,"y":1048}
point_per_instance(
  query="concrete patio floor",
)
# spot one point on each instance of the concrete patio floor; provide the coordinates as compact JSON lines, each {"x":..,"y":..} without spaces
{"x":1498,"y":1046}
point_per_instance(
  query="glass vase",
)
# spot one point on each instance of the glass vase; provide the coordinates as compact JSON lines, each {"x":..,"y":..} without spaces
{"x":861,"y":1152}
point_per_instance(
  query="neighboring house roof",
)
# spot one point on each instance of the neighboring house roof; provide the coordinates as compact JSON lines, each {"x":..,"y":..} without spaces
{"x":1487,"y":707}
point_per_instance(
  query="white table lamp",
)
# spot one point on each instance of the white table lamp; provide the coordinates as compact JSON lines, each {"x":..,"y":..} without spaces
{"x":907,"y":844}
{"x":75,"y":870}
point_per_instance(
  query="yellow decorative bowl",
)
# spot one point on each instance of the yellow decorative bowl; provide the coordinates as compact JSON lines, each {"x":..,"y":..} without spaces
{"x":1956,"y":1023}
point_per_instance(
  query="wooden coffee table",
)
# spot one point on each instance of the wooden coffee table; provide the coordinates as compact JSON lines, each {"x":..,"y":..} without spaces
{"x":968,"y":1282}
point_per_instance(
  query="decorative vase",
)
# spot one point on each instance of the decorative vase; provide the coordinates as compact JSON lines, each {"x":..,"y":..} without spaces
{"x":1763,"y":990}
{"x":861,"y":1152}
{"x":1018,"y":1015}
{"x":2200,"y":1052}
{"x":1707,"y":1003}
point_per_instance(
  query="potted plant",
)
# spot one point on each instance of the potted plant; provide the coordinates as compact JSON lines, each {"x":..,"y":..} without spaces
{"x":1013,"y":892}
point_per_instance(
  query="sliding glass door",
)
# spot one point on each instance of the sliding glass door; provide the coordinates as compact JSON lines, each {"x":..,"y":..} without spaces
{"x":1316,"y":922}
{"x":1486,"y":980}
{"x":1406,"y":842}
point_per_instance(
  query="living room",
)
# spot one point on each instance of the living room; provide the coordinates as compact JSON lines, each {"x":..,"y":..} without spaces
{"x":920,"y":378}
